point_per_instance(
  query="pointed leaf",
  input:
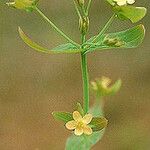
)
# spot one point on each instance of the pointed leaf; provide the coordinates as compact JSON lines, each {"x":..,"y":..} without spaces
{"x":130,"y":38}
{"x":98,"y":123}
{"x":132,"y":13}
{"x":64,"y":48}
{"x":63,"y":116}
{"x":80,"y":109}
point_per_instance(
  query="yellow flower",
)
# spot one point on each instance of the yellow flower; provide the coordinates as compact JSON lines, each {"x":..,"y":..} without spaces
{"x":124,"y":2}
{"x":105,"y":82}
{"x":80,"y":124}
{"x":103,"y":87}
{"x":23,"y":4}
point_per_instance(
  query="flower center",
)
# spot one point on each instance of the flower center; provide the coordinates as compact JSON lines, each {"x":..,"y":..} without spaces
{"x":80,"y":124}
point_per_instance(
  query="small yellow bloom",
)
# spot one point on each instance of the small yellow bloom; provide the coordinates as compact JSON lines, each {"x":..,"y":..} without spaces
{"x":23,"y":4}
{"x":124,"y":2}
{"x":80,"y":124}
{"x":105,"y":82}
{"x":103,"y":87}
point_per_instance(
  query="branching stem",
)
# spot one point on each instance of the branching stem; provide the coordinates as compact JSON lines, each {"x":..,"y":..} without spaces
{"x":56,"y":28}
{"x":105,"y":28}
{"x":107,"y":25}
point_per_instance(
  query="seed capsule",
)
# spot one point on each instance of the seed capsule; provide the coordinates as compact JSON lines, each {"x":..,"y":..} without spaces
{"x":84,"y":25}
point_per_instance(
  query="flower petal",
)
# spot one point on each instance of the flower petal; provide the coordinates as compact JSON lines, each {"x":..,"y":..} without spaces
{"x":71,"y":125}
{"x":121,"y":3}
{"x":87,"y":130}
{"x":130,"y":1}
{"x":76,"y":116}
{"x":87,"y":118}
{"x":78,"y":131}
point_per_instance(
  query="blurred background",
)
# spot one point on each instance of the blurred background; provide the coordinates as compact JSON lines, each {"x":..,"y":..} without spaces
{"x":32,"y":84}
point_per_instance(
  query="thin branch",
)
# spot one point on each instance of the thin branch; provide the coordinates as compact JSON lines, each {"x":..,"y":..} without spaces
{"x":56,"y":28}
{"x":77,"y":9}
{"x":88,"y":7}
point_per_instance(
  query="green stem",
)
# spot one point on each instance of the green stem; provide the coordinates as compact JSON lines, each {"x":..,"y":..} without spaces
{"x":85,"y":79}
{"x":56,"y":28}
{"x":105,"y":28}
{"x":108,"y":24}
{"x":88,"y":7}
{"x":85,"y":82}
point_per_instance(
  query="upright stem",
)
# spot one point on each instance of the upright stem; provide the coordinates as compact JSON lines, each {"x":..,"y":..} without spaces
{"x":56,"y":28}
{"x":85,"y":80}
{"x":82,"y":13}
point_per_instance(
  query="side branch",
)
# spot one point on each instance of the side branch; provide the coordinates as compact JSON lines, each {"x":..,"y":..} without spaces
{"x":56,"y":28}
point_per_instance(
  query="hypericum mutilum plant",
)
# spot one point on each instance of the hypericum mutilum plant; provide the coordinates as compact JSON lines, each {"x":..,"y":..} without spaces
{"x":88,"y":123}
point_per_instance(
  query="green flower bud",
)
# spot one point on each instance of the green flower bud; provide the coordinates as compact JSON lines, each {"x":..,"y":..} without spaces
{"x":113,"y":42}
{"x":102,"y":87}
{"x":81,"y":2}
{"x":83,"y":24}
{"x":28,"y":5}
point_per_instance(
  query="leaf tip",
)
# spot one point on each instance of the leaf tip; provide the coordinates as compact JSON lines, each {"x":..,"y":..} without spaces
{"x":21,"y":33}
{"x":120,"y":81}
{"x":143,"y":28}
{"x":53,"y":113}
{"x":19,"y":29}
{"x":107,"y":121}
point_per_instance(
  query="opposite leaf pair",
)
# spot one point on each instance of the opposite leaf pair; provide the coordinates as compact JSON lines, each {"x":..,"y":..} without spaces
{"x":81,"y":124}
{"x":129,"y":38}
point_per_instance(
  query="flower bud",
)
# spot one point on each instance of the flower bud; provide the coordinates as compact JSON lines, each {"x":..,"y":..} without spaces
{"x":83,"y":24}
{"x":116,"y":42}
{"x":27,"y":5}
{"x":102,"y":87}
{"x":80,"y":2}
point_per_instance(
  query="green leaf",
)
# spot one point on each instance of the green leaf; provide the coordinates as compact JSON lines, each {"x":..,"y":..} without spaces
{"x":80,"y":109}
{"x":85,"y":142}
{"x":132,"y":13}
{"x":98,"y":123}
{"x":82,"y":142}
{"x":64,"y":48}
{"x":130,"y":38}
{"x":63,"y":116}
